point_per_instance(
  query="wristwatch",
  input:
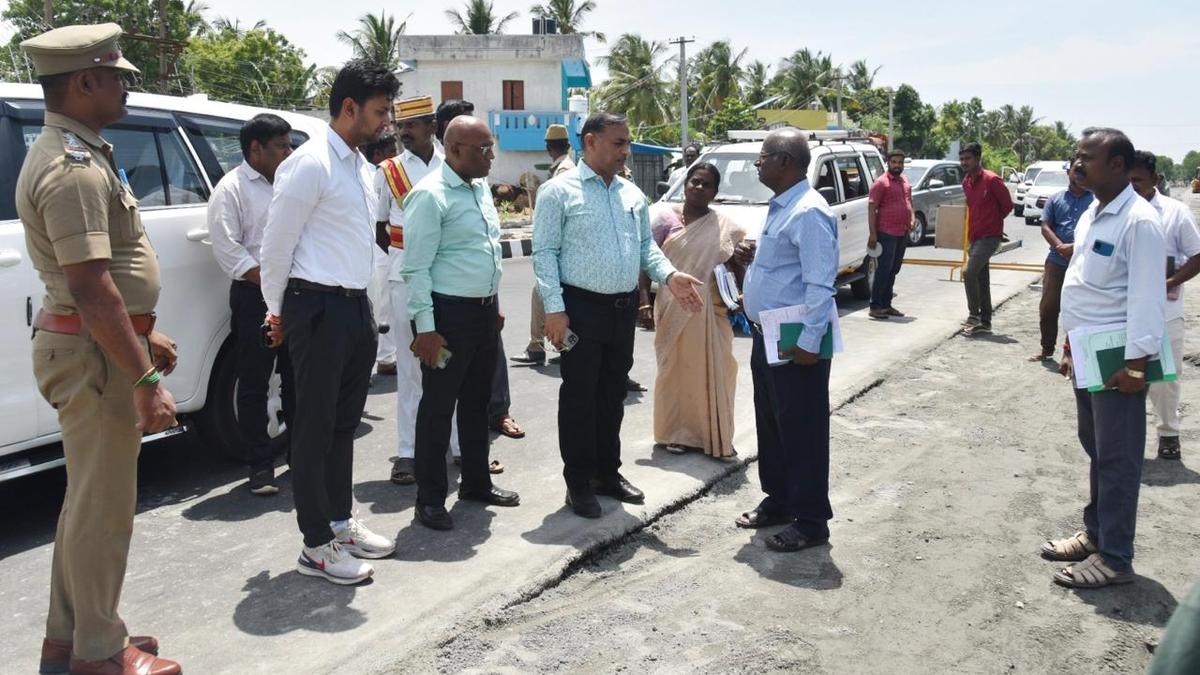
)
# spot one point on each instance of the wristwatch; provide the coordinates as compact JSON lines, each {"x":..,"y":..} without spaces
{"x":1136,"y":374}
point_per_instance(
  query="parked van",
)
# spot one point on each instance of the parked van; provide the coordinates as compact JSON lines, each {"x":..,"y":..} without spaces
{"x":173,"y":150}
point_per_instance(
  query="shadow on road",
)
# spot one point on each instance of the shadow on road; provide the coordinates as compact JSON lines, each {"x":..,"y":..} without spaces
{"x":1167,"y":472}
{"x":1145,"y":602}
{"x":291,"y":602}
{"x":237,"y":504}
{"x":812,"y":568}
{"x":472,"y":527}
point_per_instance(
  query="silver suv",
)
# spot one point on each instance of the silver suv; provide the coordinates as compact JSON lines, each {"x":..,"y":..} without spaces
{"x":934,"y":182}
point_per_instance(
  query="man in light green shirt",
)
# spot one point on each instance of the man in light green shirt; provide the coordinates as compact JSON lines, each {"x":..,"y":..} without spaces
{"x":452,"y":268}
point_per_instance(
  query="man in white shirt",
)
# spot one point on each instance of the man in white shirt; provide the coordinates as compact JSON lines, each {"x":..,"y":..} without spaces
{"x":1183,"y":262}
{"x":416,"y":127}
{"x":317,"y":256}
{"x":377,"y":152}
{"x":1115,"y":275}
{"x":237,"y":216}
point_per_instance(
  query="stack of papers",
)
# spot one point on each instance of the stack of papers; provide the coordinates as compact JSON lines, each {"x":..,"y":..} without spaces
{"x":1099,"y":352}
{"x":727,"y":284}
{"x":782,"y":327}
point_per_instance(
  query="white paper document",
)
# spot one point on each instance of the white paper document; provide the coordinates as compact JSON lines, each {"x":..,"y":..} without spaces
{"x":727,"y":284}
{"x":1088,"y":341}
{"x":771,"y":319}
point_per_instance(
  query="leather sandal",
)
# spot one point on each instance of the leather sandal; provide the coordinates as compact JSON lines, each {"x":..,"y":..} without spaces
{"x":507,"y":426}
{"x":1091,"y":573}
{"x":760,"y":517}
{"x":1074,"y":548}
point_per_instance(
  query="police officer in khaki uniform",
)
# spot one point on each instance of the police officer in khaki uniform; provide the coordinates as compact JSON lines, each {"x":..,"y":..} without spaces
{"x":96,"y":355}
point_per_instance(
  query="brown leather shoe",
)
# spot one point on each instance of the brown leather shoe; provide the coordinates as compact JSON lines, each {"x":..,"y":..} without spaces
{"x":128,"y":661}
{"x":56,"y":654}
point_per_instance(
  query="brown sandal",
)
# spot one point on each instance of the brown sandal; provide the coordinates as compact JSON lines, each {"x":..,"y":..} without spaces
{"x":1074,"y":548}
{"x":1091,"y":573}
{"x":507,"y":426}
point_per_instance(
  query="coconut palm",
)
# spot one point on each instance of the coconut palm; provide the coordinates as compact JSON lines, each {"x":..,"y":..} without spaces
{"x":376,"y":38}
{"x":1018,"y":128}
{"x":479,"y":19}
{"x":223,"y":23}
{"x":756,"y":83}
{"x":569,"y":14}
{"x":718,"y":74}
{"x":635,"y":86}
{"x":805,"y":77}
{"x":861,"y":76}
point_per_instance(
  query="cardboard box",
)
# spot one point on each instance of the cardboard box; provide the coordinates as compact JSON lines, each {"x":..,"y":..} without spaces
{"x":949,"y":232}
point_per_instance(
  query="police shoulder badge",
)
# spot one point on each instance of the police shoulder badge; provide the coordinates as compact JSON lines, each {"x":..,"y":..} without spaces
{"x":75,"y":148}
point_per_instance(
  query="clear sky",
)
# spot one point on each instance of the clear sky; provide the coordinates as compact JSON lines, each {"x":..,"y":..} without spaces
{"x":1133,"y":65}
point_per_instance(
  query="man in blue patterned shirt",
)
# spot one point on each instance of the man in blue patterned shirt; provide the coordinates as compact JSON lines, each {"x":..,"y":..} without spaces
{"x":795,"y":263}
{"x":591,"y":238}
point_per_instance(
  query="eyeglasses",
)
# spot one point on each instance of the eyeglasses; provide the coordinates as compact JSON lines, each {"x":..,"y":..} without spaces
{"x":762,"y":156}
{"x":484,"y":149}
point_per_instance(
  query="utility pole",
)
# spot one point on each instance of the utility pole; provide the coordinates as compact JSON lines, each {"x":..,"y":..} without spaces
{"x":683,"y":93}
{"x":891,"y":115}
{"x":839,"y":98}
{"x":162,"y":48}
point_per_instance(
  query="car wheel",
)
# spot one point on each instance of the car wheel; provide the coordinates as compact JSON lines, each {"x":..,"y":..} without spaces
{"x":218,"y":420}
{"x":916,"y":236}
{"x":1018,"y":210}
{"x":861,"y":287}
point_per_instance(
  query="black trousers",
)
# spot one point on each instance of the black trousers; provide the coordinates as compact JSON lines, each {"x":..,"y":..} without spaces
{"x":791,"y":410}
{"x":472,"y":336}
{"x":332,"y":341}
{"x":591,"y":399}
{"x":500,"y":400}
{"x":255,"y":365}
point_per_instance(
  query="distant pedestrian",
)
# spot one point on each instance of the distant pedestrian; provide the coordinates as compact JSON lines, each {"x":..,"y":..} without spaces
{"x":796,"y":263}
{"x":452,"y":268}
{"x":237,"y":217}
{"x":1183,"y":262}
{"x":318,"y":253}
{"x":988,"y":204}
{"x":691,"y":153}
{"x":890,"y":218}
{"x":1059,"y":216}
{"x":1115,"y":275}
{"x":591,"y":238}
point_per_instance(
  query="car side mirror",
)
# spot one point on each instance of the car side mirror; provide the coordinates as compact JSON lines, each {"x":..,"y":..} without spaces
{"x":829,"y":193}
{"x":935,"y":184}
{"x":661,"y":187}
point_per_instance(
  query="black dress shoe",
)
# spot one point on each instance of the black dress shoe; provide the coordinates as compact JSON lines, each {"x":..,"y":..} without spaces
{"x":532,"y":358}
{"x":620,"y":489}
{"x":433,"y":517}
{"x":583,"y":503}
{"x":494,"y":496}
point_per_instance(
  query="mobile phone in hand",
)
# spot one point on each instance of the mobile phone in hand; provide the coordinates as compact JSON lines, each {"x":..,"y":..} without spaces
{"x":266,"y":335}
{"x":570,"y":339}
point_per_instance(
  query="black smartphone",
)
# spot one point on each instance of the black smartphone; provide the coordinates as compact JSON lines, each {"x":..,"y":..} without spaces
{"x":266,"y":335}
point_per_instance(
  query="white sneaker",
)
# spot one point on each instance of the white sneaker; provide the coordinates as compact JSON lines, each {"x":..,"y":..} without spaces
{"x":360,"y":542}
{"x":333,"y":563}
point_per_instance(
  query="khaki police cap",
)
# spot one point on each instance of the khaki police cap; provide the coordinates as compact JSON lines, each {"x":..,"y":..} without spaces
{"x":556,"y":132}
{"x":72,"y":48}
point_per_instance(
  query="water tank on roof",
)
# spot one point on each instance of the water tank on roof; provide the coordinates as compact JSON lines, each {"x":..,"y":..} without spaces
{"x":578,"y":104}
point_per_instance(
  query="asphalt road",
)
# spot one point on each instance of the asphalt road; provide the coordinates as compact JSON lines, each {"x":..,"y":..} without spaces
{"x":212,"y":567}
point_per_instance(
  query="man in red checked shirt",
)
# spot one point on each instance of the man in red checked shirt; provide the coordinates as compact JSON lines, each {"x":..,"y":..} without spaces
{"x":988,"y":202}
{"x":890,"y":217}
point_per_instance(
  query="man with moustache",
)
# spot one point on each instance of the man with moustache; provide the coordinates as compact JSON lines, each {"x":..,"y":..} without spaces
{"x":1115,"y":275}
{"x":317,"y":256}
{"x":452,"y":267}
{"x":890,"y":217}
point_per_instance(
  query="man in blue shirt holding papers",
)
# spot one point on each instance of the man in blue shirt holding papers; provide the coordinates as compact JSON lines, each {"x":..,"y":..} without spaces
{"x":795,"y":263}
{"x":1115,"y":276}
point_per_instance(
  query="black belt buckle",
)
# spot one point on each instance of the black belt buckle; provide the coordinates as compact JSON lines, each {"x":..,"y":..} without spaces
{"x":488,"y":301}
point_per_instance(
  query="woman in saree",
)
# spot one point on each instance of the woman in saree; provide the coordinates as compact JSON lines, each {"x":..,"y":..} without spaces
{"x":697,"y":374}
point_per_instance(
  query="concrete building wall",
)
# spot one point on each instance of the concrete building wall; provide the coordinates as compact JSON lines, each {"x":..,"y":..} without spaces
{"x":482,"y":81}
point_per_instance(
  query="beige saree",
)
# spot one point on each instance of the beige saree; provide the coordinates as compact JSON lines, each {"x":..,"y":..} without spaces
{"x":697,"y":374}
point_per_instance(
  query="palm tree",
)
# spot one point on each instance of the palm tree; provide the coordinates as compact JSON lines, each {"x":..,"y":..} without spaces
{"x":635,"y":85}
{"x":376,"y":38}
{"x":861,"y":77}
{"x":479,"y":19}
{"x":1018,"y":129}
{"x":223,"y":23}
{"x":755,"y":83}
{"x":569,"y":15}
{"x":718,"y":74}
{"x":804,"y":77}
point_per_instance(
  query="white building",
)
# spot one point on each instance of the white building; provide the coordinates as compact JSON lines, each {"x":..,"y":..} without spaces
{"x":518,"y":83}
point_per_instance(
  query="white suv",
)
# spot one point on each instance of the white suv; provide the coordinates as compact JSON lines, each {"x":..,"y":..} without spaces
{"x":842,"y":170}
{"x":174,"y":150}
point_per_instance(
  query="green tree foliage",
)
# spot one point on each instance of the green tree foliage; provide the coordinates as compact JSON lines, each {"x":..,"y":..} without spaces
{"x":734,"y":114}
{"x":718,"y":74}
{"x":376,"y":38}
{"x":259,"y":67}
{"x":914,"y":122}
{"x":802,"y":78}
{"x":135,"y":16}
{"x":756,"y":82}
{"x":1191,"y":162}
{"x":1168,"y":168}
{"x":635,"y":86}
{"x":479,"y":18}
{"x":570,"y":16}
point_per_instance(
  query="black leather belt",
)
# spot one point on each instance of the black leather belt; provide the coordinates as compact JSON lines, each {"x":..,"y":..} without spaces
{"x":304,"y":285}
{"x":617,"y":300}
{"x":458,"y":299}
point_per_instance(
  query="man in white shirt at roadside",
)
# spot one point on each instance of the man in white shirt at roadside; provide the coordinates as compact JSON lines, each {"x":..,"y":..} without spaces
{"x":1183,"y":262}
{"x":237,"y":216}
{"x":377,"y":152}
{"x":317,"y":257}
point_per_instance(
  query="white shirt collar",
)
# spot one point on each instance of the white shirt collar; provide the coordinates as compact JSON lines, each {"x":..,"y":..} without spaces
{"x":1114,"y":207}
{"x":251,"y":172}
{"x":339,"y":146}
{"x":408,"y":156}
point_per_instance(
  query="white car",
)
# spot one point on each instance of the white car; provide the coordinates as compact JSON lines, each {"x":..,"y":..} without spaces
{"x":1031,"y":174}
{"x":842,"y":170}
{"x":174,"y":150}
{"x":1047,"y":184}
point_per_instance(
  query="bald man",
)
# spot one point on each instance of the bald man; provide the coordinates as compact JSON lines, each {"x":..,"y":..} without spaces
{"x":452,"y":267}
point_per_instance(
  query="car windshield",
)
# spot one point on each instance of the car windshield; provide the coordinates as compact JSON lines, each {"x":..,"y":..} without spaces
{"x":1051,"y":179}
{"x":1031,"y":174}
{"x":739,"y":180}
{"x":914,"y":174}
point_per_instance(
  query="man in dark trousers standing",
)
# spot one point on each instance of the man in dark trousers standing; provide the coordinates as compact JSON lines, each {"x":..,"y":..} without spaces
{"x":452,"y":268}
{"x":795,"y":263}
{"x":318,"y":254}
{"x":1059,"y":216}
{"x":890,"y":217}
{"x":237,"y":216}
{"x":591,"y":237}
{"x":988,"y":203}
